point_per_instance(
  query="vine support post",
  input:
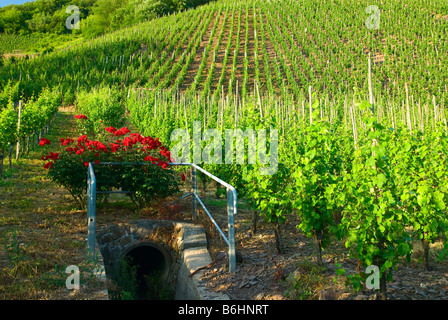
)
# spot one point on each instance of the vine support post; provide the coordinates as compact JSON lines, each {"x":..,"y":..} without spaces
{"x":408,"y":109}
{"x":352,"y":115}
{"x":91,"y":209}
{"x":194,"y":181}
{"x":371,"y":97}
{"x":18,"y":132}
{"x":310,"y":92}
{"x":231,"y":209}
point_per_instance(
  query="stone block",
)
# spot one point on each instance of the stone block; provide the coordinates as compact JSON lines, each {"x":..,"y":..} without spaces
{"x":196,"y":258}
{"x":193,"y":237}
{"x":105,"y":238}
{"x":124,"y":241}
{"x":116,"y":232}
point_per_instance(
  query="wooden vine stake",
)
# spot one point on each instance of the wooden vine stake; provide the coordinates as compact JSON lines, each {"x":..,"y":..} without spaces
{"x":392,"y":116}
{"x":18,"y":131}
{"x":371,"y":97}
{"x":259,"y":101}
{"x":408,"y":109}
{"x":352,"y":115}
{"x":436,"y":113}
{"x":310,"y":91}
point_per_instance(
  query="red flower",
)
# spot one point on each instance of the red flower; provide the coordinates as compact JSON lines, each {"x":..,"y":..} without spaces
{"x":125,"y":130}
{"x":127,"y":141}
{"x":81,"y":116}
{"x":97,"y":161}
{"x":164,"y":152}
{"x":182,"y":176}
{"x":65,"y":142}
{"x":136,"y":137}
{"x":44,"y":141}
{"x":86,"y":163}
{"x":53,"y":156}
{"x":48,"y":165}
{"x":110,"y":129}
{"x":114,"y":147}
{"x":163,"y":164}
{"x":82,"y":139}
{"x":100,"y":146}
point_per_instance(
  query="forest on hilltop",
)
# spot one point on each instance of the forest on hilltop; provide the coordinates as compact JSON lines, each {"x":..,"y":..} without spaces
{"x":49,"y":16}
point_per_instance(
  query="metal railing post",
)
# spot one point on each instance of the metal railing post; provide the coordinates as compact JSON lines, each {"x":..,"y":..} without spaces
{"x":232,"y":206}
{"x":194,"y":191}
{"x":91,"y":208}
{"x":231,"y":210}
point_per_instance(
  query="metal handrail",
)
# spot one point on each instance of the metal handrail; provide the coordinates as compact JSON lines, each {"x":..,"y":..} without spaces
{"x":232,"y":205}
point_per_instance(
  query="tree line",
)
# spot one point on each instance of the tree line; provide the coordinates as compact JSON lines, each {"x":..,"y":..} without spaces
{"x":96,"y":16}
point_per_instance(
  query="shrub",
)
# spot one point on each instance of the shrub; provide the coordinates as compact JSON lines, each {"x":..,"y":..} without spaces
{"x":145,"y":182}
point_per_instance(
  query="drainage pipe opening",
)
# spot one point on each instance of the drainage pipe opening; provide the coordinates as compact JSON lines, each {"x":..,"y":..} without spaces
{"x":143,"y":273}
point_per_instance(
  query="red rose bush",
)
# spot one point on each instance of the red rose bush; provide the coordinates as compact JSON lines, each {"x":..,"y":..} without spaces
{"x":147,"y":182}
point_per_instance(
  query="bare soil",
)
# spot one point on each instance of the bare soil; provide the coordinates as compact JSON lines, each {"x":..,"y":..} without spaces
{"x":194,"y":66}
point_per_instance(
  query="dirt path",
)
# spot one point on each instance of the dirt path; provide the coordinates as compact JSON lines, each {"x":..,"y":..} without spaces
{"x":42,"y":229}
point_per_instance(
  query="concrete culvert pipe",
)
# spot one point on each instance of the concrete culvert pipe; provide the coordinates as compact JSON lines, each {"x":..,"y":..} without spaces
{"x":152,"y":263}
